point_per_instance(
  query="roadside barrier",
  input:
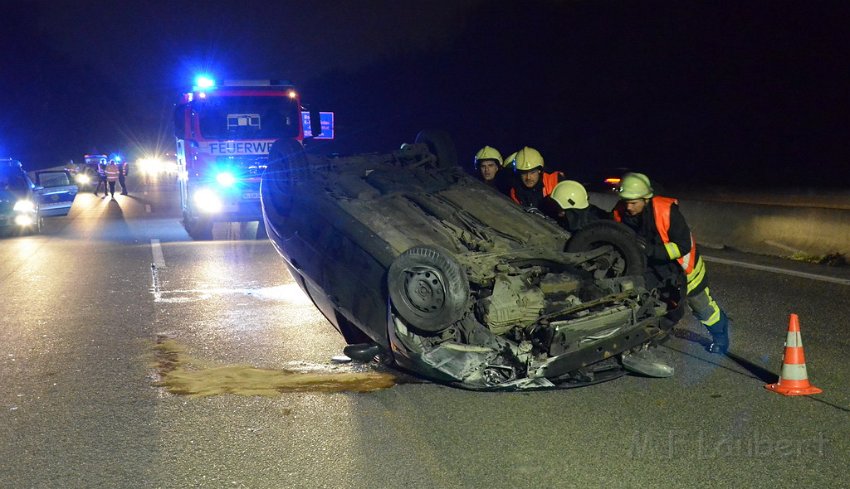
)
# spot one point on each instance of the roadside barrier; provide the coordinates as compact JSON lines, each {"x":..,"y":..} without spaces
{"x":765,"y":229}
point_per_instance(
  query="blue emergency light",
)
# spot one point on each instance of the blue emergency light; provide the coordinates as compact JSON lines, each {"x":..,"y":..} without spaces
{"x":203,"y":82}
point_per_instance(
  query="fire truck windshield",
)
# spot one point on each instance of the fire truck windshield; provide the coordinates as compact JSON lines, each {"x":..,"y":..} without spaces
{"x":247,"y":117}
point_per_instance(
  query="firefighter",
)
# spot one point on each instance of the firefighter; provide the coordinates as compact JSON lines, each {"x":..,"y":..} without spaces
{"x":531,"y":185}
{"x":668,"y":243}
{"x":101,"y":178}
{"x":572,"y":209}
{"x":509,"y":161}
{"x":122,"y":174}
{"x":112,"y":172}
{"x":489,"y":167}
{"x":487,"y":163}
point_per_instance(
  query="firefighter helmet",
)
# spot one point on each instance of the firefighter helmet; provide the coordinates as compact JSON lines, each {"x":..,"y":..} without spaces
{"x":570,"y":194}
{"x":488,"y":153}
{"x":528,"y":159}
{"x":509,"y":161}
{"x":635,"y":186}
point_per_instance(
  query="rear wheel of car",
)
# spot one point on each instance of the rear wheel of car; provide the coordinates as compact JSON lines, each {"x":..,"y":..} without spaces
{"x":626,"y":257}
{"x":428,"y":288}
{"x":441,"y":145}
{"x":287,"y":162}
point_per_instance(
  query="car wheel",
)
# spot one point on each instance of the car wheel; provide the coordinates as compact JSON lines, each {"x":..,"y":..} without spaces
{"x":428,"y":288}
{"x":441,"y":145}
{"x":626,"y":257}
{"x":287,"y":160}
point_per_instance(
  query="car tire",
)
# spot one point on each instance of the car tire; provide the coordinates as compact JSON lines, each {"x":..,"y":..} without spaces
{"x":630,"y":259}
{"x":441,"y":145}
{"x":428,"y":288}
{"x":287,"y":160}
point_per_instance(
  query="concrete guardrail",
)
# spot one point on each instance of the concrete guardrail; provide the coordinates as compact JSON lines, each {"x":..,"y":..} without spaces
{"x":765,"y":229}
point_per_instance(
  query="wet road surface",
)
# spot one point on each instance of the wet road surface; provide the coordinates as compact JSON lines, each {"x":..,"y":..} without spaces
{"x":85,"y":403}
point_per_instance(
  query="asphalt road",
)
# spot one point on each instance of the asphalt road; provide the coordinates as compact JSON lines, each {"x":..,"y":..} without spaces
{"x":80,"y":406}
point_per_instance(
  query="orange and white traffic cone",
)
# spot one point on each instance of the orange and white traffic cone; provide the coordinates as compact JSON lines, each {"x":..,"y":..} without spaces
{"x":793,"y":381}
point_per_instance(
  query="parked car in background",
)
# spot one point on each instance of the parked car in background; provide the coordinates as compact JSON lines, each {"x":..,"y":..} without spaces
{"x":24,"y":203}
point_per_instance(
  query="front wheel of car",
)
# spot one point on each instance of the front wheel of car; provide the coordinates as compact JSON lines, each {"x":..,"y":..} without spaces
{"x":428,"y":288}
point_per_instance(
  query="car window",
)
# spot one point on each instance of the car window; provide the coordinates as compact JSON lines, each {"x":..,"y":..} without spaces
{"x":57,"y":179}
{"x":13,"y":181}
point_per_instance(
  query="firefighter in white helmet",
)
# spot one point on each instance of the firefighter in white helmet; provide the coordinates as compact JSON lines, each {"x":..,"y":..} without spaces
{"x":670,"y":246}
{"x":531,"y":184}
{"x":573,"y":211}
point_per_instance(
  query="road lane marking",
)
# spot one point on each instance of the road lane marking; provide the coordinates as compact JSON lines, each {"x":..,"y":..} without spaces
{"x":148,"y":208}
{"x":156,"y":251}
{"x":783,"y":271}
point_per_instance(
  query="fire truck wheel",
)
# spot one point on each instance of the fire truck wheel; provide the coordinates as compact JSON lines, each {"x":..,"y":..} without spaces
{"x":261,"y":230}
{"x":199,"y":229}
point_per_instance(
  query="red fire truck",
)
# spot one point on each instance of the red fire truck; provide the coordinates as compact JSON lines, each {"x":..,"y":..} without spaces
{"x":223,"y":138}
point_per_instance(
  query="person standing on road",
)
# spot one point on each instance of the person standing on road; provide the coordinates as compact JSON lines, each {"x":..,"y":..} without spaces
{"x":122,"y":174}
{"x":573,"y":211}
{"x":668,"y":244}
{"x":112,"y":172}
{"x":531,"y":185}
{"x":101,"y":178}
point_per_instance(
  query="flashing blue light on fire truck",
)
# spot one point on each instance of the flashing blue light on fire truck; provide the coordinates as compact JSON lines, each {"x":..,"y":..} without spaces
{"x":203,"y":82}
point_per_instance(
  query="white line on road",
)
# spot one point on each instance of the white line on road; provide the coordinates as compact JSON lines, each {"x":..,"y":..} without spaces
{"x":148,"y":208}
{"x":156,"y":250}
{"x":784,"y":271}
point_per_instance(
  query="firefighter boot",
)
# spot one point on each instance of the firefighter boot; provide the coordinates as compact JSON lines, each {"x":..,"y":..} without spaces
{"x":719,"y":335}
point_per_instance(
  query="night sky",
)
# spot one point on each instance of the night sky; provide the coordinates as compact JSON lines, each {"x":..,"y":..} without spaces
{"x":749,"y":92}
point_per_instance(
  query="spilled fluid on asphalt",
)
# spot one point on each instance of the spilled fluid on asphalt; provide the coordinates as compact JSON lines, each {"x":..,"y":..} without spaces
{"x":179,"y":373}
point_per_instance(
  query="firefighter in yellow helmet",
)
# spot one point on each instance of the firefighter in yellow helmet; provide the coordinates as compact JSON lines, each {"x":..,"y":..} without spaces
{"x":669,"y":246}
{"x":573,"y":211}
{"x":531,"y":184}
{"x":488,"y":162}
{"x":509,"y":161}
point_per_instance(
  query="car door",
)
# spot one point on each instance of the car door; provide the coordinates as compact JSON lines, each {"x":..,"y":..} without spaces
{"x":55,"y":192}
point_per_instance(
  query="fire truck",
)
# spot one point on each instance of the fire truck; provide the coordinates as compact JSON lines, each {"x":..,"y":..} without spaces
{"x":223,"y":138}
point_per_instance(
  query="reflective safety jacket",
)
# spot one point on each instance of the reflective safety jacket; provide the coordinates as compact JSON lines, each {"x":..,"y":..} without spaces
{"x":671,"y":238}
{"x":112,"y":173}
{"x":534,"y":196}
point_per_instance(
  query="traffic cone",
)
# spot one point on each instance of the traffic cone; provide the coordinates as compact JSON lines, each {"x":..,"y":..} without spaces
{"x":794,"y":381}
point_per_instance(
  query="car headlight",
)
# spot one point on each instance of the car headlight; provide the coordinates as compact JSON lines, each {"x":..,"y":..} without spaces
{"x":207,"y":201}
{"x":24,"y":206}
{"x":82,"y":179}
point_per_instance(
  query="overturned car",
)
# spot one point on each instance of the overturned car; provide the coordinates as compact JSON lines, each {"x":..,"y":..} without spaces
{"x":417,"y":263}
